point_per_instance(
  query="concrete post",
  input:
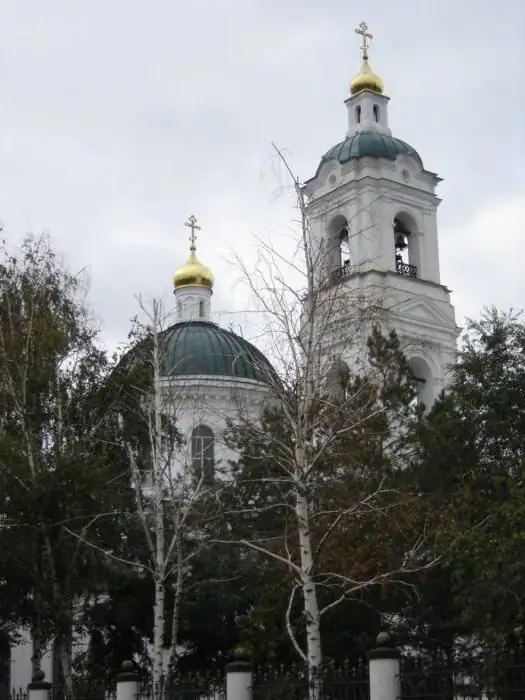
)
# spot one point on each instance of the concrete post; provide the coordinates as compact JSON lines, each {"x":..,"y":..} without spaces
{"x":239,"y":677}
{"x":127,"y":682}
{"x":384,"y":669}
{"x":39,"y":688}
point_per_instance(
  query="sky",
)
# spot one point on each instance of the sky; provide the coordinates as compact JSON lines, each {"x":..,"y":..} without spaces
{"x":120,"y":118}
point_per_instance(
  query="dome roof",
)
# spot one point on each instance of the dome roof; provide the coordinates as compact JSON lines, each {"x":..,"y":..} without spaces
{"x":370,"y":143}
{"x":201,"y":347}
{"x":193,"y":274}
{"x":366,"y":79}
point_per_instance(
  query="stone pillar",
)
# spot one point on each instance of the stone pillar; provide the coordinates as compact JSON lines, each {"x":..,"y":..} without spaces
{"x":384,"y":669}
{"x":39,"y":688}
{"x":239,"y":677}
{"x":127,"y":682}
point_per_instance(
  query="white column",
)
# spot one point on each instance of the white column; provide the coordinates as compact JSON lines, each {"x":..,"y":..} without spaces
{"x":384,"y":670}
{"x":239,"y":678}
{"x":39,"y":689}
{"x":127,"y":682}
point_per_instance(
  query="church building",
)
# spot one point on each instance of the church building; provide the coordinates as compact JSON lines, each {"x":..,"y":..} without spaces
{"x":372,"y":214}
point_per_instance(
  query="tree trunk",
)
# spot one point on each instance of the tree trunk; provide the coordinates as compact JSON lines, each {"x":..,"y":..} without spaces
{"x":65,"y":653}
{"x":158,"y":632}
{"x":311,"y":607}
{"x":158,"y":482}
{"x":176,"y":608}
{"x":36,"y":639}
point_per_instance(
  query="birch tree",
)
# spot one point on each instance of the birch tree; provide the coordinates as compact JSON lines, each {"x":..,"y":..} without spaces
{"x":170,"y":505}
{"x":317,"y":466}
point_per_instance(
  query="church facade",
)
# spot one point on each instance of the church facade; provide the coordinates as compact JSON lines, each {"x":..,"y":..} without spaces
{"x":372,"y":216}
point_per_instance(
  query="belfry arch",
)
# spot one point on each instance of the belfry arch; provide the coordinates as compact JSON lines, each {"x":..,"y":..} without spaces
{"x":422,"y":376}
{"x":338,"y":243}
{"x":406,"y":245}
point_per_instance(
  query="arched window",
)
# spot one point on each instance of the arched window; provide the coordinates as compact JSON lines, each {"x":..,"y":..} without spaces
{"x":339,"y":248}
{"x":337,"y":379}
{"x":202,"y":452}
{"x":422,"y":378}
{"x":375,"y":110}
{"x":358,"y":114}
{"x":402,"y":244}
{"x":179,"y":309}
{"x":201,"y":309}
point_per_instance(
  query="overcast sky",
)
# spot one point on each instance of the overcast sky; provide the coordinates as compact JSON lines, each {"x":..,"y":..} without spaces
{"x":120,"y":118}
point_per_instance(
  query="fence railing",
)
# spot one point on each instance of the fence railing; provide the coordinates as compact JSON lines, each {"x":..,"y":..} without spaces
{"x":385,"y":675}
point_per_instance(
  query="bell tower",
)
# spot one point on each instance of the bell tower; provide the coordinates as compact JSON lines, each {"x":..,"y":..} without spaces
{"x":371,"y":209}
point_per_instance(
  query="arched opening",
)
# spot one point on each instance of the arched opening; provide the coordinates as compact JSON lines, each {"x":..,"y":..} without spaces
{"x":337,"y":378}
{"x":405,"y":245}
{"x":179,"y":309}
{"x":201,"y":309}
{"x":358,"y":114}
{"x":5,"y":665}
{"x":202,"y":453}
{"x":422,"y":378}
{"x":339,"y":257}
{"x":375,"y":111}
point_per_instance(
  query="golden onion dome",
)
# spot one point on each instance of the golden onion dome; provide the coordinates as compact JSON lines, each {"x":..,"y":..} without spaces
{"x":193,"y":274}
{"x":366,"y":79}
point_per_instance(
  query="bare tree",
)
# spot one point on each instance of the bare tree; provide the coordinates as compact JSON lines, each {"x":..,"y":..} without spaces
{"x":169,"y":496}
{"x":321,"y":463}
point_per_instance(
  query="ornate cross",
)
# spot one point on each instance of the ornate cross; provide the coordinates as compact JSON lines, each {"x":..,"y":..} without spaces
{"x":192,"y":223}
{"x":362,"y":29}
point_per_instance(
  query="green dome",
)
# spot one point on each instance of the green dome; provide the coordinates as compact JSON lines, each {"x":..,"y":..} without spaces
{"x":370,"y":143}
{"x":200,"y":347}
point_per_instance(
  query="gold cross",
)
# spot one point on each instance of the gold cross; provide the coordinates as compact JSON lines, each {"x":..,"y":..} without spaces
{"x":192,"y":223}
{"x":362,"y":29}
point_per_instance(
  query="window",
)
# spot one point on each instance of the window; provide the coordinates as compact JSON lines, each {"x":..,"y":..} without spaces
{"x":202,"y":452}
{"x":179,"y":309}
{"x":404,"y":250}
{"x":358,"y":114}
{"x":345,"y":248}
{"x":338,"y":378}
{"x":201,"y":309}
{"x":421,"y":376}
{"x":376,"y":113}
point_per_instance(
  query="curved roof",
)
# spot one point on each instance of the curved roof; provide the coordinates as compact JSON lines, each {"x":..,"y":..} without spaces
{"x":201,"y":347}
{"x":193,"y":273}
{"x":370,"y":143}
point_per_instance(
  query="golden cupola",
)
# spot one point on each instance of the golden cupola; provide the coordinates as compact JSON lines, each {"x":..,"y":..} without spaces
{"x":366,"y":79}
{"x":193,"y":273}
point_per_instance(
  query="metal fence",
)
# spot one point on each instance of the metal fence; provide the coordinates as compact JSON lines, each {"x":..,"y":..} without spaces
{"x":479,"y":677}
{"x":348,"y":681}
{"x":474,"y":676}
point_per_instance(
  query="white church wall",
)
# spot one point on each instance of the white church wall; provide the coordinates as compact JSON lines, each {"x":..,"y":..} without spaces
{"x":213,"y":401}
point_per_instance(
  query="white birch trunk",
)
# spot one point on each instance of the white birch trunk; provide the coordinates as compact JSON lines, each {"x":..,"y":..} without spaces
{"x":311,"y":608}
{"x":308,"y":584}
{"x":158,"y":632}
{"x":176,"y":608}
{"x":160,"y":563}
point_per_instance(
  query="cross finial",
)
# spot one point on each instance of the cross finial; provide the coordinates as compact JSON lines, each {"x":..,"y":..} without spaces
{"x":192,"y":224}
{"x":362,"y":29}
